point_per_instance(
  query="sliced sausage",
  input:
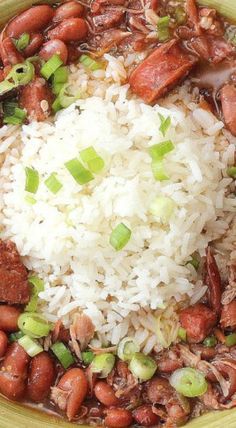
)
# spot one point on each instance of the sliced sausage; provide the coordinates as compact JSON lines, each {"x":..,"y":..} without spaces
{"x":14,"y":287}
{"x":37,"y":99}
{"x":9,"y":318}
{"x":198,"y":320}
{"x":32,"y":20}
{"x":70,"y":9}
{"x":228,"y":101}
{"x":228,"y":315}
{"x":70,"y":30}
{"x":161,"y":71}
{"x":41,"y":377}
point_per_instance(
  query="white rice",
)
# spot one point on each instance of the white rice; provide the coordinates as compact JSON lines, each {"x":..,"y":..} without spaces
{"x":64,"y":238}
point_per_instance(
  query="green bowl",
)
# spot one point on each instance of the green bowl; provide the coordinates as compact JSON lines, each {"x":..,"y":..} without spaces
{"x":14,"y":415}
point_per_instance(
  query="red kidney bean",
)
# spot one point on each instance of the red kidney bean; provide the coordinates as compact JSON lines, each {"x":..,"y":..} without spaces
{"x":32,"y":20}
{"x":8,"y":318}
{"x":105,"y":394}
{"x":73,"y":54}
{"x":69,"y":30}
{"x":118,"y":418}
{"x":3,"y":343}
{"x":13,"y":372}
{"x":36,"y":98}
{"x":54,"y":47}
{"x":9,"y":54}
{"x":144,"y":416}
{"x":41,"y":377}
{"x":71,"y":9}
{"x":36,"y":41}
{"x":74,"y":381}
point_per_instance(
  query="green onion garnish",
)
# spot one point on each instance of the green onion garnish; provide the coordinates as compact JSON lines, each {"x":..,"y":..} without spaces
{"x":158,"y":171}
{"x":57,"y":87}
{"x":6,"y":86}
{"x":162,"y":207}
{"x":120,"y":236}
{"x":9,"y":108}
{"x":142,"y":366}
{"x":92,"y":159}
{"x":210,"y":342}
{"x":30,"y":200}
{"x":63,"y":354}
{"x":51,"y":66}
{"x":90,"y":63}
{"x":232,"y":171}
{"x":37,"y":285}
{"x":61,"y":75}
{"x":21,"y":74}
{"x":30,"y":346}
{"x":22,"y":42}
{"x":189,"y":382}
{"x":33,"y":325}
{"x":13,"y":337}
{"x":182,"y":334}
{"x":53,"y":184}
{"x":163,"y":31}
{"x":180,"y":15}
{"x":158,"y":151}
{"x":127,"y":348}
{"x":56,"y":106}
{"x":103,"y":364}
{"x":230,"y":340}
{"x":12,"y":120}
{"x":32,"y":180}
{"x":165,"y":124}
{"x":65,"y":98}
{"x":87,"y":357}
{"x":78,"y":172}
{"x":194,"y":262}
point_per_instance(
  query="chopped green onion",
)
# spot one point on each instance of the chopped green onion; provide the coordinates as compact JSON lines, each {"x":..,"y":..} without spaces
{"x":194,"y":262}
{"x":61,"y":75}
{"x":180,"y":15}
{"x":57,"y":87}
{"x":19,"y":112}
{"x":12,"y":120}
{"x":33,"y":325}
{"x":158,"y":171}
{"x":87,"y":357}
{"x":56,"y":106}
{"x":90,"y":63}
{"x":210,"y":342}
{"x":63,"y":354}
{"x":30,"y":346}
{"x":49,"y":68}
{"x":37,"y":286}
{"x":103,"y":364}
{"x":32,"y":180}
{"x":30,"y":200}
{"x":142,"y":366}
{"x":120,"y":236}
{"x":9,"y":108}
{"x":230,"y":340}
{"x":22,"y":42}
{"x":182,"y":334}
{"x":92,"y":159}
{"x":53,"y":184}
{"x":163,"y":31}
{"x":15,"y":336}
{"x":165,"y":124}
{"x":158,"y":151}
{"x":189,"y":382}
{"x":162,"y":207}
{"x":21,"y":74}
{"x":232,"y":171}
{"x":127,"y":348}
{"x":6,"y":86}
{"x":78,"y":172}
{"x":225,"y":8}
{"x":65,"y":98}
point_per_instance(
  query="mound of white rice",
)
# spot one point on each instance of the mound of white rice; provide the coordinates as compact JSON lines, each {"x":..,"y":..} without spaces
{"x":64,"y":238}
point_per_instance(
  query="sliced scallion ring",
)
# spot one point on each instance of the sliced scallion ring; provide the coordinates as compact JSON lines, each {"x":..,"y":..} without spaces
{"x":142,"y":366}
{"x":80,"y":174}
{"x":158,"y":151}
{"x":6,"y":86}
{"x":90,"y":63}
{"x":103,"y":364}
{"x":37,"y":285}
{"x":51,"y":66}
{"x":31,"y":180}
{"x":92,"y":159}
{"x":163,"y":31}
{"x":165,"y":124}
{"x":65,"y":98}
{"x":61,"y":75}
{"x":120,"y":236}
{"x":21,"y":74}
{"x":158,"y":171}
{"x":189,"y":382}
{"x":33,"y":325}
{"x":127,"y":348}
{"x":63,"y":354}
{"x":30,"y":346}
{"x":22,"y":42}
{"x":53,"y":184}
{"x":162,"y":207}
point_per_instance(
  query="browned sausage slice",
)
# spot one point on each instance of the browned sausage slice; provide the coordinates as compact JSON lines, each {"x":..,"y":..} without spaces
{"x":228,"y":101}
{"x":228,"y":315}
{"x":14,"y":287}
{"x":160,"y":71}
{"x":36,"y":98}
{"x":198,"y":320}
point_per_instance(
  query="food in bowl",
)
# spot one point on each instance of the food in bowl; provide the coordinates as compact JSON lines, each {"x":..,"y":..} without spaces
{"x":117,"y":257}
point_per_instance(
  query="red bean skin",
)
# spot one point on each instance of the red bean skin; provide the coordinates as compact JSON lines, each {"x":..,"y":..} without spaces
{"x":36,"y":41}
{"x":144,"y":416}
{"x":41,"y":377}
{"x":105,"y":394}
{"x":13,"y":372}
{"x":8,"y":318}
{"x":54,"y":47}
{"x":3,"y":343}
{"x":118,"y":418}
{"x":71,"y":9}
{"x":69,"y":30}
{"x":32,"y":20}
